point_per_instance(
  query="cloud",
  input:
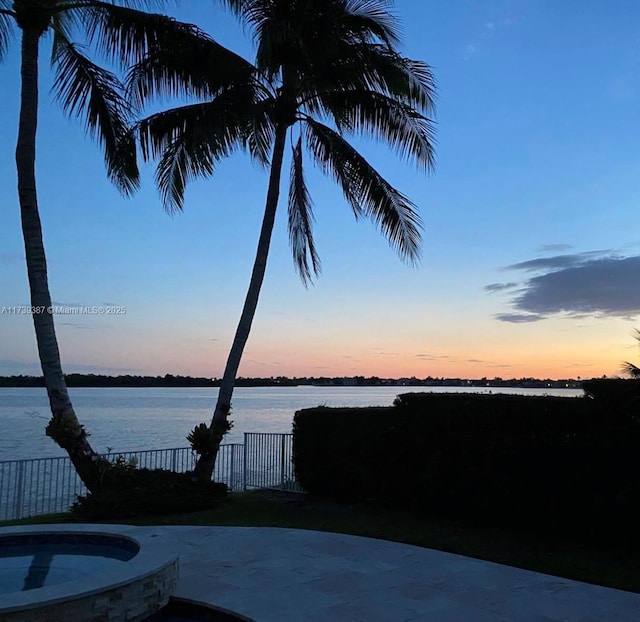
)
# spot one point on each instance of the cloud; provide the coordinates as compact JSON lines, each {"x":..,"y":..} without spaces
{"x":595,"y":284}
{"x":486,"y":32}
{"x":518,"y":318}
{"x":469,"y":51}
{"x":498,"y":287}
{"x":431,"y":357}
{"x":597,"y":287}
{"x":558,"y":261}
{"x":474,"y":361}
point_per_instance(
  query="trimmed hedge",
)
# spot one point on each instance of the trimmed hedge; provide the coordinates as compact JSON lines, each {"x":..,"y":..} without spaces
{"x":130,"y":492}
{"x":620,"y":396}
{"x":549,"y":462}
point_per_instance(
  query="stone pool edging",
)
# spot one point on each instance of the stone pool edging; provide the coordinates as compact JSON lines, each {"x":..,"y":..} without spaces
{"x":132,"y":593}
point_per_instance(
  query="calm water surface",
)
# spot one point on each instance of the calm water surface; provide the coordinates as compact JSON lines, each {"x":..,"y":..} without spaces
{"x":134,"y":419}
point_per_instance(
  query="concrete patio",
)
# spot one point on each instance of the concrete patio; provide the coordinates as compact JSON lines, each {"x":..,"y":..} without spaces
{"x":289,"y":575}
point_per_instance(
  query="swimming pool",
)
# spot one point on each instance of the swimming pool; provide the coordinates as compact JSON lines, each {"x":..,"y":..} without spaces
{"x":84,"y":572}
{"x":31,"y":561}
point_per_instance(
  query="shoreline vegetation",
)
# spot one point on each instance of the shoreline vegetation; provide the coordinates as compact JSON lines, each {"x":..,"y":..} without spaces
{"x":171,"y":381}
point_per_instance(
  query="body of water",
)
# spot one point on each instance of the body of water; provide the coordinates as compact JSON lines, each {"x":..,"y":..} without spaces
{"x":120,"y":419}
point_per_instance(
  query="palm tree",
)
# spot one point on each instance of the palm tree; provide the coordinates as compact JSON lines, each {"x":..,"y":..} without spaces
{"x":120,"y":33}
{"x":629,"y":368}
{"x":324,"y":69}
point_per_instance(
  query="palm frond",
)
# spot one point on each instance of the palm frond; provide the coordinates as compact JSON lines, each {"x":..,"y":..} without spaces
{"x":410,"y":80}
{"x":631,"y":370}
{"x":262,"y":131}
{"x":6,"y":23}
{"x":189,"y":141}
{"x":253,"y":14}
{"x":125,"y":159}
{"x":300,"y":219}
{"x":194,"y":65}
{"x":370,"y":113}
{"x":63,"y":25}
{"x":372,"y":18}
{"x":373,"y":68}
{"x":179,"y":163}
{"x":86,"y":90}
{"x":127,"y":35}
{"x":368,"y":193}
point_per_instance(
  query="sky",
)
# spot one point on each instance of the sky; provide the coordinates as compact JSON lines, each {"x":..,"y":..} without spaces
{"x":530,"y":261}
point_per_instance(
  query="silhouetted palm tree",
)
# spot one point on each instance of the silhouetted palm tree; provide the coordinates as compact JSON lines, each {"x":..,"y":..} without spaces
{"x":629,"y":368}
{"x":324,"y":69}
{"x":118,"y":32}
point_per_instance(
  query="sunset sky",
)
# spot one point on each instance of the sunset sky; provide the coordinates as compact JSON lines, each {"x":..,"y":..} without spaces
{"x":531,"y":252}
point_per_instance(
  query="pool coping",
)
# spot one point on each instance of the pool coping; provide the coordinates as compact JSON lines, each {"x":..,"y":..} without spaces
{"x":158,"y":551}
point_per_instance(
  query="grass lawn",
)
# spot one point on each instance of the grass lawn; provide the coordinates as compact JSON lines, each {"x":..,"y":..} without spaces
{"x":614,"y":565}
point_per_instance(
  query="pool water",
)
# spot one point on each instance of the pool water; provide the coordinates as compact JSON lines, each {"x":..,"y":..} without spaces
{"x":40,"y":560}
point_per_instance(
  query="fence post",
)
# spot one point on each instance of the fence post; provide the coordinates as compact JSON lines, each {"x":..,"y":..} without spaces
{"x":282,"y":459}
{"x":174,"y":460}
{"x":244,"y":463}
{"x":233,"y":467}
{"x":19,"y":493}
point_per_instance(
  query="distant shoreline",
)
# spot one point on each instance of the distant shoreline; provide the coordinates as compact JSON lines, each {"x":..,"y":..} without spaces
{"x":170,"y":381}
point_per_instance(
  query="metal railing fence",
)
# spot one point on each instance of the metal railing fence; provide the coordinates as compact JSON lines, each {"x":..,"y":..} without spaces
{"x":268,"y":461}
{"x":51,"y":485}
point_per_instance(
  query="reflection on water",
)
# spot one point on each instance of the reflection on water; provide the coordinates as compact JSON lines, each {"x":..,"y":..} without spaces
{"x":38,"y":570}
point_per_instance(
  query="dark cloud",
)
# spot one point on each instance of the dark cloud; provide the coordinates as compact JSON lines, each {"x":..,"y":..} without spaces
{"x":518,"y":318}
{"x":597,"y":287}
{"x":558,"y":262}
{"x":474,"y":361}
{"x":499,"y":287}
{"x":597,"y":283}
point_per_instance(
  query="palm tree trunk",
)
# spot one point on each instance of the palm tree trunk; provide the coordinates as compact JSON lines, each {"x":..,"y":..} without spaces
{"x":64,"y":426}
{"x":219,"y":423}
